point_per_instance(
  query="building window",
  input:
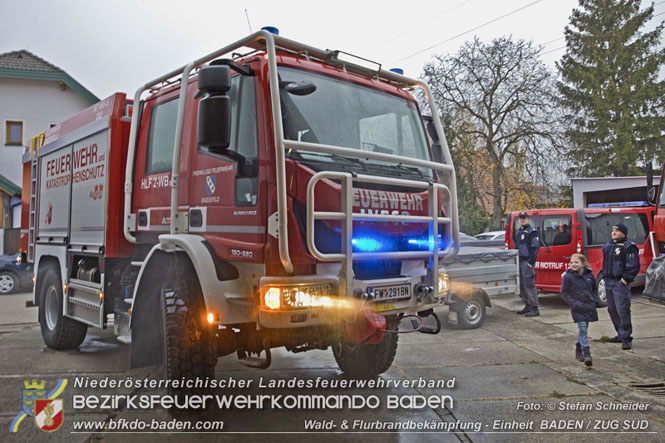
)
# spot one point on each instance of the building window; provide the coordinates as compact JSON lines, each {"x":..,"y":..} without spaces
{"x":14,"y":133}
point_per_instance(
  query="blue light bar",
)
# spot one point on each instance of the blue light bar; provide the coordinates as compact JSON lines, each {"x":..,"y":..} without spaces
{"x":618,"y":204}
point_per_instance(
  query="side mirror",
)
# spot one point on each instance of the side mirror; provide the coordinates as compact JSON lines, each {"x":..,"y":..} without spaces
{"x":651,"y":195}
{"x":214,"y":119}
{"x":298,"y":88}
{"x":649,"y":175}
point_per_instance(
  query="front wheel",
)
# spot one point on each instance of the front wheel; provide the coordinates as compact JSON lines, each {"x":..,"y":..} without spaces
{"x":470,"y":312}
{"x":602,"y":293}
{"x":58,"y":331}
{"x":362,"y":361}
{"x":188,"y":341}
{"x":8,"y":282}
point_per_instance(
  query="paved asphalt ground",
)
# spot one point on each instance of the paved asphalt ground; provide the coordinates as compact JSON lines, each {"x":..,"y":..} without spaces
{"x":514,"y":379}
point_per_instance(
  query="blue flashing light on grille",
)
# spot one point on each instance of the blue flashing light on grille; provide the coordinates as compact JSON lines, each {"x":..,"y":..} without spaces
{"x":422,"y":243}
{"x":366,"y":244}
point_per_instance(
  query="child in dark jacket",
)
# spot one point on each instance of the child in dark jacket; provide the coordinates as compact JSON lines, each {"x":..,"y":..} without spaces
{"x":578,"y":289}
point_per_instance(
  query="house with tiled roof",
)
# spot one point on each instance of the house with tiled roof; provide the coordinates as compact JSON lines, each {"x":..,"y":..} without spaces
{"x":34,"y":95}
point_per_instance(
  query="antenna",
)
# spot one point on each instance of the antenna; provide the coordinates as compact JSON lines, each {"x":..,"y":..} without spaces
{"x":248,"y":23}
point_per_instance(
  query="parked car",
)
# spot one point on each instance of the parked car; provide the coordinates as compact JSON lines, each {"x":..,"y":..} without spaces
{"x":15,"y":273}
{"x":492,"y":235}
{"x":564,"y":232}
{"x":466,"y":238}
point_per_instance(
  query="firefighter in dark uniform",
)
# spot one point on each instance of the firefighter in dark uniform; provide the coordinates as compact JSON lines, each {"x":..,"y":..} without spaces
{"x":527,"y":243}
{"x":621,"y":264}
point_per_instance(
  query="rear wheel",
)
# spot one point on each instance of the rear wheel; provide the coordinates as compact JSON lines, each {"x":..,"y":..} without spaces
{"x":59,"y":332}
{"x":8,"y":282}
{"x":188,"y":340}
{"x":367,"y":360}
{"x":470,"y":312}
{"x":602,"y":293}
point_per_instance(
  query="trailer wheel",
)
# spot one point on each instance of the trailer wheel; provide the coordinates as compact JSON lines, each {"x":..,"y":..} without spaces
{"x":59,"y":332}
{"x":367,"y":360}
{"x":602,"y":294}
{"x":470,"y":312}
{"x":188,"y":342}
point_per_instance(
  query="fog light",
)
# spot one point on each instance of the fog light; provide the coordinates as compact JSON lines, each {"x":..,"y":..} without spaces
{"x":273,"y":298}
{"x":213,"y":317}
{"x":443,"y":282}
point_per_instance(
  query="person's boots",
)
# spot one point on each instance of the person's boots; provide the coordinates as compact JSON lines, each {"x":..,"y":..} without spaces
{"x":587,"y":356}
{"x":524,"y":310}
{"x":578,"y":352}
{"x":534,"y":312}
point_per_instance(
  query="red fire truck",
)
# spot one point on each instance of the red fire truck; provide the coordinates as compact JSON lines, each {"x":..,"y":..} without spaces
{"x":267,"y":194}
{"x":564,"y":232}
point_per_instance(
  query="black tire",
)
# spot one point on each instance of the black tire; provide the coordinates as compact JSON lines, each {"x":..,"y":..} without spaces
{"x":9,"y":282}
{"x":59,"y":332}
{"x":470,"y":312}
{"x":188,"y":343}
{"x":361,"y":361}
{"x":602,"y":295}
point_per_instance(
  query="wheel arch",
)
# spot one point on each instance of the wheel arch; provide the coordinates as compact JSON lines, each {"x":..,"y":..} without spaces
{"x":41,"y":265}
{"x":469,"y":292}
{"x":162,"y":260}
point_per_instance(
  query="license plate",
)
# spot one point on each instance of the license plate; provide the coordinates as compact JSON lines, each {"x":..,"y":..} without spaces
{"x":394,"y":292}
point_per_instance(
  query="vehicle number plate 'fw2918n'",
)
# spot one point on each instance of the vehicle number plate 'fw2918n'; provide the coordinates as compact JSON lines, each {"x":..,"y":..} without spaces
{"x":392,"y":292}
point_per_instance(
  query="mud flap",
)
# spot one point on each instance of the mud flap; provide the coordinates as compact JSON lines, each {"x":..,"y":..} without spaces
{"x":367,"y":328}
{"x":147,"y":348}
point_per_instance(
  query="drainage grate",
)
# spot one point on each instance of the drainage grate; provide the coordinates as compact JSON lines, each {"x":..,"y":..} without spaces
{"x":650,"y":388}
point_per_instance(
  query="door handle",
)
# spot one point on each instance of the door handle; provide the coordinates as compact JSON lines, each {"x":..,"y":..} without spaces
{"x":566,"y":258}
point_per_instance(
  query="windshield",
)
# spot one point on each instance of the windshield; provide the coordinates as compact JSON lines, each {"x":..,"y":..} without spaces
{"x":341,"y":113}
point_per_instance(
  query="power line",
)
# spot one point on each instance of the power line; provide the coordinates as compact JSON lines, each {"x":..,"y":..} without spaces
{"x":443,"y":13}
{"x":555,"y":40}
{"x":554,"y":50}
{"x":470,"y":30}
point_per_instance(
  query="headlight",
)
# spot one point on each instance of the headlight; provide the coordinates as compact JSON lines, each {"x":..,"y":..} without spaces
{"x":443,"y":282}
{"x":298,"y":297}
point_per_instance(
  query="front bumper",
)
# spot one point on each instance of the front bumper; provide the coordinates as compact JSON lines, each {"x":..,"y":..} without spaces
{"x":324,"y":306}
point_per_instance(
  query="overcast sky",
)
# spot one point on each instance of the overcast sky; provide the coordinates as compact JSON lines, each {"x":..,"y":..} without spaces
{"x":118,"y":45}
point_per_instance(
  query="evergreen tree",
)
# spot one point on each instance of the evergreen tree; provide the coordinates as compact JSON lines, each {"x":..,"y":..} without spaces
{"x":611,"y":89}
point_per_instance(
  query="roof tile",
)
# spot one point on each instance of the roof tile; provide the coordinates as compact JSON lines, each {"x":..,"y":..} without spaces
{"x":25,"y":60}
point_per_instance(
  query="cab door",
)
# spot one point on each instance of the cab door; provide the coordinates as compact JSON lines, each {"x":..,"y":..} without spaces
{"x":558,"y":243}
{"x":224,"y":204}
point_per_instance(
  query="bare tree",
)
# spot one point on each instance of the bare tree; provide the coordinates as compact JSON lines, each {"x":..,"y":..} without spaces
{"x":499,"y":97}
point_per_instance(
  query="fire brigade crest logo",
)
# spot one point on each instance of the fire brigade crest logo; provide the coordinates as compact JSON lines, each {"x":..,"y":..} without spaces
{"x":46,"y":408}
{"x":48,"y":414}
{"x":617,"y":251}
{"x":49,"y":214}
{"x":211,"y":184}
{"x":523,"y":237}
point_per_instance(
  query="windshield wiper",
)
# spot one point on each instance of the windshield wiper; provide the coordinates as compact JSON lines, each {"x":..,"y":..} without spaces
{"x":406,"y":170}
{"x":302,"y":156}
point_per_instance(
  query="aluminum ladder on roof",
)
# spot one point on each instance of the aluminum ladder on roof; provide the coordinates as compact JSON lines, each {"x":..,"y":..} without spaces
{"x":37,"y":142}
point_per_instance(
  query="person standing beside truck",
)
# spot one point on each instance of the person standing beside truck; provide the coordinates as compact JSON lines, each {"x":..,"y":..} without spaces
{"x":527,"y":242}
{"x":621,"y":264}
{"x":578,"y":289}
